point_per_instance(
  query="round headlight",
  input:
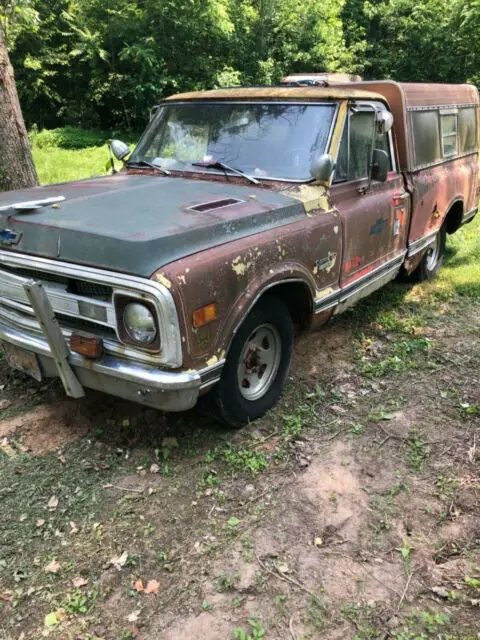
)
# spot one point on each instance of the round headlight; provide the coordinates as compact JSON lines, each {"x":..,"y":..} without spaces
{"x":139,"y":323}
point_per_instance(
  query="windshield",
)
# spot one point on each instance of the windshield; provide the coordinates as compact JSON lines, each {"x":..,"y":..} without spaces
{"x":268,"y":140}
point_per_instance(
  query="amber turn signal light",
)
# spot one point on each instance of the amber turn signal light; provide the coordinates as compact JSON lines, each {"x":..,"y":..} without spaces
{"x":86,"y":345}
{"x":204,"y":315}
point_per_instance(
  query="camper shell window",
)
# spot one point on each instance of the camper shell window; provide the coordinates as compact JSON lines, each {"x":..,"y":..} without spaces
{"x":467,"y":129}
{"x":426,"y":135}
{"x":448,"y":125}
{"x":443,"y":133}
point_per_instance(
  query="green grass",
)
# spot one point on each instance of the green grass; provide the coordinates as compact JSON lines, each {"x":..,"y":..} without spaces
{"x":461,"y":271}
{"x":66,"y":154}
{"x":63,"y":165}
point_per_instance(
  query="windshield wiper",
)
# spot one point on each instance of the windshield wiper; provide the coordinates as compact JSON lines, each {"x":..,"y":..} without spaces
{"x":218,"y":164}
{"x":145,"y":163}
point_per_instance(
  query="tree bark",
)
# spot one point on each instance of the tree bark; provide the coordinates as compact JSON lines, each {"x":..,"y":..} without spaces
{"x":17,"y":170}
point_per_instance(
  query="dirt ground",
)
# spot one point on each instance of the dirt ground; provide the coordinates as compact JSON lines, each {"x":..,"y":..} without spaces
{"x":350,"y":511}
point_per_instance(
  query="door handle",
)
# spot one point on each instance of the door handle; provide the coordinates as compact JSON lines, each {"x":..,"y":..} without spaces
{"x":398,"y":198}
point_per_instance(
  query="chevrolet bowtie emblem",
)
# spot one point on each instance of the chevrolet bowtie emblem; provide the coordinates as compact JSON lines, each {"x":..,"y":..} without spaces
{"x":8,"y":237}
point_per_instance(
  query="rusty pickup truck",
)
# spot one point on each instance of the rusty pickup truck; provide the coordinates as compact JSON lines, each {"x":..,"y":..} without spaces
{"x":242,"y":217}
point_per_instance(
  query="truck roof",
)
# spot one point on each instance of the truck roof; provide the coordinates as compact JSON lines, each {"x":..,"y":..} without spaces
{"x":283,"y":92}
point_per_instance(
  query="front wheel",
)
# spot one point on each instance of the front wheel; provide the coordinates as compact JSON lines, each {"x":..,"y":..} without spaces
{"x":433,"y":258}
{"x":257,"y":364}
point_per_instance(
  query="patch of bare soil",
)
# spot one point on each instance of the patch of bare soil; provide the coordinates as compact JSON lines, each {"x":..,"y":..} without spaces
{"x":349,"y":512}
{"x":47,"y":428}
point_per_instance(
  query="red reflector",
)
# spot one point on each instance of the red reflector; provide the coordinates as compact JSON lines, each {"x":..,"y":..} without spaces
{"x":86,"y":345}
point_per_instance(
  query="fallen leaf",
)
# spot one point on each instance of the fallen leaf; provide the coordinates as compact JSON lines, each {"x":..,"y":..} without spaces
{"x":23,"y":517}
{"x":138,"y":586}
{"x":152,"y":587}
{"x":60,"y":614}
{"x":52,"y":503}
{"x":440,"y":591}
{"x":79,"y":582}
{"x":119,"y":561}
{"x":283,"y":567}
{"x":51,"y":619}
{"x":154,"y":468}
{"x":40,"y":522}
{"x":6,"y":596}
{"x":133,"y":617}
{"x":73,"y":528}
{"x":53,"y":567}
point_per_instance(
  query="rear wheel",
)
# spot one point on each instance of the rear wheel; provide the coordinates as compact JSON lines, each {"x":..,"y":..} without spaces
{"x":433,"y":258}
{"x":257,"y":364}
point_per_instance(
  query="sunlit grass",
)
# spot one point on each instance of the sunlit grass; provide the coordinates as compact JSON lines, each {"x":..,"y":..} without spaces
{"x":62,"y":165}
{"x":461,"y":271}
{"x":69,"y":153}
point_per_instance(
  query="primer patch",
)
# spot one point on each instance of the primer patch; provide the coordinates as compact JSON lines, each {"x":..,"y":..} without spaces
{"x":160,"y":277}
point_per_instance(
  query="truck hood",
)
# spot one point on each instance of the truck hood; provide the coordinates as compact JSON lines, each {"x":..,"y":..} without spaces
{"x":138,"y":223}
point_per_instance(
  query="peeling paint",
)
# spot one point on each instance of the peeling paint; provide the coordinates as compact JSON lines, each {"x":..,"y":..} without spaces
{"x":335,"y":229}
{"x":314,"y":197}
{"x":323,"y":293}
{"x":163,"y":280}
{"x":239,"y":266}
{"x":182,"y":279}
{"x":212,"y":361}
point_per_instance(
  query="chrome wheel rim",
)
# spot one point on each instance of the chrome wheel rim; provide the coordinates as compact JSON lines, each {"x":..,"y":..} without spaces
{"x":259,"y":362}
{"x":433,"y":253}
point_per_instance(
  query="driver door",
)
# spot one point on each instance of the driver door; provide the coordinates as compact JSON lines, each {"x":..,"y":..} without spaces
{"x":374,"y":214}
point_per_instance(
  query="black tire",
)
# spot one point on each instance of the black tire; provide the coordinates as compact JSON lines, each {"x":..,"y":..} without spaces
{"x":433,"y":258}
{"x":230,"y":405}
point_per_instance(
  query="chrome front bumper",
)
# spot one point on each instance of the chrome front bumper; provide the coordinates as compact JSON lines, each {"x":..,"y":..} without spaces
{"x":139,"y":382}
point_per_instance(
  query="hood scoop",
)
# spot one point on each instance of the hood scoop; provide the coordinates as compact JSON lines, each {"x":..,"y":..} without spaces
{"x":215,"y":204}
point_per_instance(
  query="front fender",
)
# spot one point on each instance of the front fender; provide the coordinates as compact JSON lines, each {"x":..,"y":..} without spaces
{"x":233,"y":276}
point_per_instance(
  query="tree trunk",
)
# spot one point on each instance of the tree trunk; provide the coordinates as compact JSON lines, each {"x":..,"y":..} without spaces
{"x":17,"y":170}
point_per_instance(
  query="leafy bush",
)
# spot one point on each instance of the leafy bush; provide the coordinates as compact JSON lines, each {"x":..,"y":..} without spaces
{"x":67,"y":138}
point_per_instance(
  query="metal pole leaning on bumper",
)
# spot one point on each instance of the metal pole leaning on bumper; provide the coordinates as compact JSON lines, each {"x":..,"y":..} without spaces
{"x":53,"y":334}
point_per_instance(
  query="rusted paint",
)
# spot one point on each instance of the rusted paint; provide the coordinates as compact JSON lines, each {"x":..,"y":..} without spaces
{"x":279,"y":92}
{"x":261,"y":261}
{"x":435,"y":189}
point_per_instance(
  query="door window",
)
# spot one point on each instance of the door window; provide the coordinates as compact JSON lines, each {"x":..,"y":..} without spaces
{"x":355,"y":152}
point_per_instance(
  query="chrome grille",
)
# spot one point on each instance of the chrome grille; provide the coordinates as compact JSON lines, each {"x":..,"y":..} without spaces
{"x":80,"y":324}
{"x":77,"y":287}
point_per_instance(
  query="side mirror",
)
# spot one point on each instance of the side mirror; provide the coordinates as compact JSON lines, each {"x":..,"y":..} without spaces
{"x":119,"y":149}
{"x":380,"y":165}
{"x":384,"y":121}
{"x":322,"y":167}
